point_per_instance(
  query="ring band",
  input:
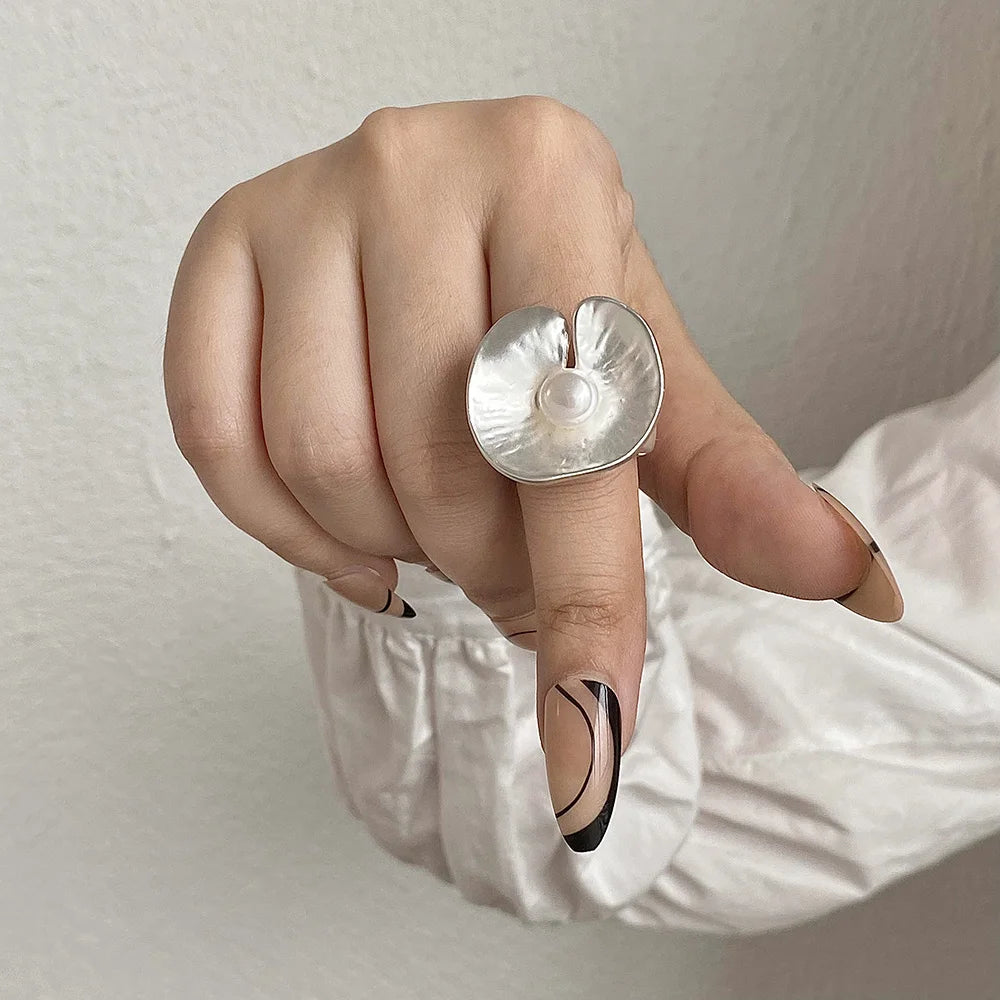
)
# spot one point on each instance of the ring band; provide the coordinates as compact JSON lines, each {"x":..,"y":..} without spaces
{"x":546,"y":402}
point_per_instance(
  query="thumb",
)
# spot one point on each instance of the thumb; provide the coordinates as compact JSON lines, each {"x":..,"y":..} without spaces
{"x":722,"y":480}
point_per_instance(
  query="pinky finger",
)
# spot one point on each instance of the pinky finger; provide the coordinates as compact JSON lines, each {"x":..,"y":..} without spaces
{"x":211,"y":368}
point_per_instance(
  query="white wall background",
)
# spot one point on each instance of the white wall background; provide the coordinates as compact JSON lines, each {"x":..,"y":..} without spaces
{"x":820,"y":183}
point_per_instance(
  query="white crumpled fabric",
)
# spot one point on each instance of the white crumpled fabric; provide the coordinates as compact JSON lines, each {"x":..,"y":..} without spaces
{"x":789,"y":758}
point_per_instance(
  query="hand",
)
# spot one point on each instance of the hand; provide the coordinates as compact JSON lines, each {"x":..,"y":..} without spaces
{"x":320,"y":334}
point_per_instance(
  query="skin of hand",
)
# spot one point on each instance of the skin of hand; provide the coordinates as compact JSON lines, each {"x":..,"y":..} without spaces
{"x":319,"y":339}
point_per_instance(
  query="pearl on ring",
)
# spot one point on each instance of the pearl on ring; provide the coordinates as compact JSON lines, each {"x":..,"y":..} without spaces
{"x":567,"y":397}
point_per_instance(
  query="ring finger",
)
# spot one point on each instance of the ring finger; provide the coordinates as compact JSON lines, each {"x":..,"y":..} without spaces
{"x":316,"y":401}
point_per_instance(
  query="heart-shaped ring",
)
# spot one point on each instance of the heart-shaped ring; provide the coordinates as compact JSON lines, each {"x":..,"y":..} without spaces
{"x":546,"y":404}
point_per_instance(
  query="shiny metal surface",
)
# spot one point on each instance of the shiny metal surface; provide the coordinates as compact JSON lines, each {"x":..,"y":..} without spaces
{"x":613,"y":346}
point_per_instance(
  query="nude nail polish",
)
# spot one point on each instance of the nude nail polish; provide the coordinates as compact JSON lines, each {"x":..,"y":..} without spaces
{"x":877,"y":596}
{"x":366,"y":588}
{"x":525,"y":639}
{"x":582,"y":743}
{"x":522,"y":631}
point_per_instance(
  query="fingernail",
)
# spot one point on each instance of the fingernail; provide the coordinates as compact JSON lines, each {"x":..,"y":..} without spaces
{"x":877,"y":596}
{"x":521,"y":631}
{"x":525,"y":639}
{"x":366,"y":587}
{"x":582,"y":741}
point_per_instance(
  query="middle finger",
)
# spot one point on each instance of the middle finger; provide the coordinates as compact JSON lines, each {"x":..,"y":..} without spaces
{"x":427,"y":300}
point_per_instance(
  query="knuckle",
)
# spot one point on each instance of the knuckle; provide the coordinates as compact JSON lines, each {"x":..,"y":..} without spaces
{"x":600,"y":611}
{"x":438,"y":471}
{"x":544,"y":133}
{"x":537,"y":112}
{"x":384,"y":136}
{"x":207,"y":434}
{"x":314,"y":463}
{"x":554,"y":149}
{"x":536,"y":133}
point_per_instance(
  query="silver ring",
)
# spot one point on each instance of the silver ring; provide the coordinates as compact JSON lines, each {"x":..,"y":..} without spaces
{"x":546,"y":403}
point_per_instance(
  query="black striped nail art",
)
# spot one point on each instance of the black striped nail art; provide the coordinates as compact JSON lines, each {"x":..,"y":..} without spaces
{"x":582,"y":734}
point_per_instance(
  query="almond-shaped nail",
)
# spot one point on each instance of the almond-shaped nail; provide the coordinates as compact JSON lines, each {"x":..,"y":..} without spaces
{"x":521,"y":631}
{"x":877,"y":596}
{"x":366,"y":587}
{"x":582,"y":733}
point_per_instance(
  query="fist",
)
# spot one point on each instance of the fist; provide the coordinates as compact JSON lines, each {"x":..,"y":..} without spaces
{"x":319,"y":340}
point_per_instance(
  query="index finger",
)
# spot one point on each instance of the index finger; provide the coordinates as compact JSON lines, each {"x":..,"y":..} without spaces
{"x":585,"y":547}
{"x":583,"y":534}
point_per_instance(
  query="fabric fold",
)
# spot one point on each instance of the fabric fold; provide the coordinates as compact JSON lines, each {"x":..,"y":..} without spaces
{"x":789,"y":757}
